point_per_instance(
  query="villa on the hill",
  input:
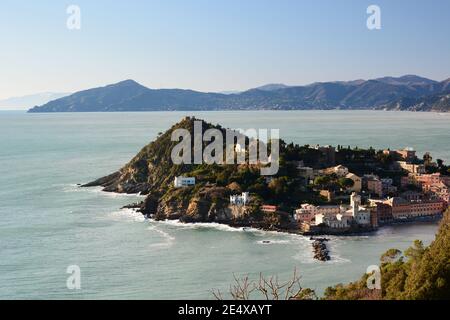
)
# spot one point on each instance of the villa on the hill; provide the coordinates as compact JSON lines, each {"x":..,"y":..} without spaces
{"x":181,"y":181}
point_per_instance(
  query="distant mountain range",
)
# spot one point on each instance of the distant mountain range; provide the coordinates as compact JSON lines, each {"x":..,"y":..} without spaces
{"x":31,"y":100}
{"x":408,"y":92}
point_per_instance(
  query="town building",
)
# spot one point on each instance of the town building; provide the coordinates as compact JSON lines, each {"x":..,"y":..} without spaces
{"x":360,"y":214}
{"x":406,"y":154}
{"x":240,"y":200}
{"x":422,"y":179}
{"x":373,"y":185}
{"x":338,"y":221}
{"x":339,"y":170}
{"x":269,"y":208}
{"x":435,"y":186}
{"x":400,"y":207}
{"x":384,"y":213}
{"x":426,"y":208}
{"x":181,"y":181}
{"x":403,"y":209}
{"x":336,"y":217}
{"x":306,"y":213}
{"x":387,"y":186}
{"x":410,"y":167}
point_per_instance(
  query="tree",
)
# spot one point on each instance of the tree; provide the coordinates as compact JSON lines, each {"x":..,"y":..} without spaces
{"x":278,"y":186}
{"x":267,"y":288}
{"x":424,"y":275}
{"x":391,"y":255}
{"x":322,"y":181}
{"x":346,"y":183}
{"x":427,"y":159}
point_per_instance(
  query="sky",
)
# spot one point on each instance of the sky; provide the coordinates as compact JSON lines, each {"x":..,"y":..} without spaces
{"x":216,"y":45}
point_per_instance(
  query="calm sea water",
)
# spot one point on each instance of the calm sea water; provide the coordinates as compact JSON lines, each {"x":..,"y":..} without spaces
{"x":48,"y":224}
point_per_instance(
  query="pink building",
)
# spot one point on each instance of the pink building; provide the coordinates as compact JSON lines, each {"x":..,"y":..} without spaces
{"x":375,"y":186}
{"x":435,"y":185}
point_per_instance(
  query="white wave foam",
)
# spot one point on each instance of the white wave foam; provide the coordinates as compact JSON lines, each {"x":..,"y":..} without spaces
{"x":97,"y":190}
{"x":203,"y":225}
{"x":336,"y":258}
{"x":227,"y":228}
{"x":273,"y":241}
{"x":127,"y":215}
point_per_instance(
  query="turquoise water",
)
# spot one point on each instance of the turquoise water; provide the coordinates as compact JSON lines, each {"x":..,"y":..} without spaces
{"x":48,"y":224}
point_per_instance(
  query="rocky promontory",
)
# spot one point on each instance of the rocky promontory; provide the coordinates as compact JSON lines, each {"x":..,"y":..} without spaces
{"x":151,"y":173}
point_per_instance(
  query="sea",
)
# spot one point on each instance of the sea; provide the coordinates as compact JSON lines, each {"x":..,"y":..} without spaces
{"x":49,"y":226}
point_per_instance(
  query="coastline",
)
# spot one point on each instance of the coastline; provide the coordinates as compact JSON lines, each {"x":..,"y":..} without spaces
{"x":260,"y":227}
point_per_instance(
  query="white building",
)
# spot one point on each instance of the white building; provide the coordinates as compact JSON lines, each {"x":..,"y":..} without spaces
{"x":308,"y":211}
{"x":340,"y":171}
{"x":240,"y":200}
{"x":338,"y":221}
{"x":239,"y":148}
{"x":181,"y":181}
{"x":360,"y":214}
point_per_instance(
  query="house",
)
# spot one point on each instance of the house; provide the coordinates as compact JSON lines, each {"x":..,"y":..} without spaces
{"x":387,"y":186}
{"x":181,"y":181}
{"x":268,"y":208}
{"x":306,"y":213}
{"x":373,"y":184}
{"x":240,"y":200}
{"x":434,"y":185}
{"x":339,"y":170}
{"x":406,"y":154}
{"x":410,"y":167}
{"x":422,"y":179}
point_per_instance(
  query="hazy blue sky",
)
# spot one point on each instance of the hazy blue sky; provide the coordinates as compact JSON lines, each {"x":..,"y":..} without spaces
{"x":217,"y":45}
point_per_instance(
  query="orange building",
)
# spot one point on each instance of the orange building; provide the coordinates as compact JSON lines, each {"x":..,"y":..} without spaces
{"x":400,"y":207}
{"x":403,"y":209}
{"x":426,"y":208}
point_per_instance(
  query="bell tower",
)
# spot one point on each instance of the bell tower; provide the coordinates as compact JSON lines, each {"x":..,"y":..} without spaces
{"x":355,"y":202}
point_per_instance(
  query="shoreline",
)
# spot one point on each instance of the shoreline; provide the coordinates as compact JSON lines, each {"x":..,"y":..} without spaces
{"x":257,"y":226}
